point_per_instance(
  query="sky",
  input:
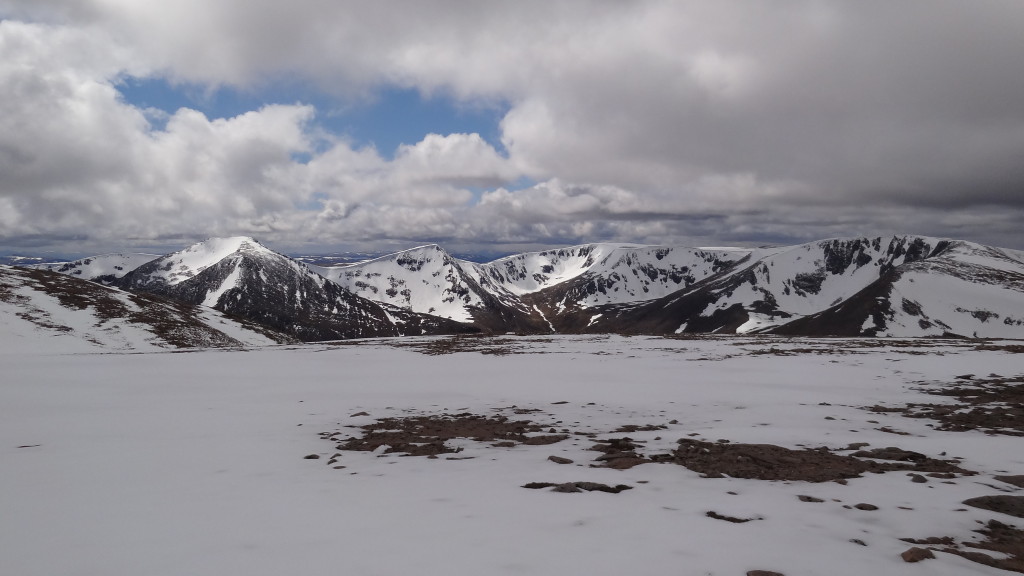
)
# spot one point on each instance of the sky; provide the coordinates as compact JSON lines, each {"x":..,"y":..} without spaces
{"x":328,"y":125}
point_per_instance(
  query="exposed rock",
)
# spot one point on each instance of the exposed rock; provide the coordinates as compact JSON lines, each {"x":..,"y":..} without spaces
{"x":916,"y":554}
{"x":426,"y":435}
{"x":1004,"y":504}
{"x":1015,"y":480}
{"x":570,"y":487}
{"x":863,"y":506}
{"x":733,"y":519}
{"x":559,"y":460}
{"x":770,"y":462}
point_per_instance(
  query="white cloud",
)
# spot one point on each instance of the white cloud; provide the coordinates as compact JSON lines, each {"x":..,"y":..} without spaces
{"x":648,"y":121}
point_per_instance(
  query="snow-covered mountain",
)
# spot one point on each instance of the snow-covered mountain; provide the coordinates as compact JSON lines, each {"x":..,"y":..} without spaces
{"x":862,"y":286}
{"x":898,"y":286}
{"x":104,"y":268}
{"x":243,"y":278}
{"x":41,"y":309}
{"x":891,"y":286}
{"x":428,"y":280}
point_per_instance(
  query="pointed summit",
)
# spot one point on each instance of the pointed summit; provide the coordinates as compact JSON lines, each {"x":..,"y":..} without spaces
{"x":242,"y":277}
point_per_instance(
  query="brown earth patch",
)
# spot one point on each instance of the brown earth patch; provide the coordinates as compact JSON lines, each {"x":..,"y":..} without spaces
{"x":1015,"y":480}
{"x":1011,"y":505}
{"x":994,"y":405}
{"x":770,"y":462}
{"x":427,"y":435}
{"x":622,"y":454}
{"x":1000,"y":538}
{"x":482,"y":343}
{"x":630,"y":428}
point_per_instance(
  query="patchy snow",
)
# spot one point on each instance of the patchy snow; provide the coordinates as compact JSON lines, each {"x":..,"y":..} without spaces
{"x":757,"y":322}
{"x":101,"y":319}
{"x":185,"y":264}
{"x":533,"y":271}
{"x":169,"y":464}
{"x":425,"y":280}
{"x":230,"y":282}
{"x":545,"y":318}
{"x":933,"y":304}
{"x":116,"y":265}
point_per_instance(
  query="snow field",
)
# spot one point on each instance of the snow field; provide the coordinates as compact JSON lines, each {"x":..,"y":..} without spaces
{"x":192,"y":463}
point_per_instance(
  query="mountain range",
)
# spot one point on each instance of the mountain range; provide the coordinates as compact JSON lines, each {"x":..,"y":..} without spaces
{"x":898,"y":286}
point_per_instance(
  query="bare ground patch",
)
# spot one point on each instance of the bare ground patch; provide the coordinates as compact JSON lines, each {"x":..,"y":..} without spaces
{"x":770,"y":462}
{"x":428,"y":435}
{"x":994,"y":404}
{"x":1005,"y":540}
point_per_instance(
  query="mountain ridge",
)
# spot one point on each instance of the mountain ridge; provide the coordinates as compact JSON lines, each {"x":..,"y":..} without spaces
{"x":900,"y":285}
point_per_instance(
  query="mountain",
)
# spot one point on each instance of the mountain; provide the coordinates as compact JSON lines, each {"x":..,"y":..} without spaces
{"x":894,"y":286}
{"x":243,"y":278}
{"x":901,"y":286}
{"x":567,"y":286}
{"x":59,"y":312}
{"x":898,"y":286}
{"x":942,"y":288}
{"x":105,"y":268}
{"x":427,"y":280}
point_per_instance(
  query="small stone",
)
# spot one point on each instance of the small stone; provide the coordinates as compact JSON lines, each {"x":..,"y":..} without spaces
{"x":858,"y":541}
{"x":559,"y":460}
{"x":806,"y":498}
{"x":863,"y":506}
{"x":916,"y":554}
{"x":357,"y":414}
{"x":918,"y":478}
{"x":568,"y":487}
{"x":764,"y":573}
{"x":311,"y":457}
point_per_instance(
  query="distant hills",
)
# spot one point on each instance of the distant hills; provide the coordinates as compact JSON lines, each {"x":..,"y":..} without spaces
{"x":900,"y":286}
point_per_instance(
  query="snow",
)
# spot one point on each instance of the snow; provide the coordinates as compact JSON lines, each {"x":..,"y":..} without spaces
{"x":116,"y":265}
{"x":169,"y":464}
{"x":230,"y":282}
{"x":545,"y":318}
{"x":966,"y":307}
{"x":629,"y":273}
{"x":32,"y":320}
{"x":64,"y":329}
{"x":534,"y":271}
{"x":184,"y":264}
{"x":424,"y":279}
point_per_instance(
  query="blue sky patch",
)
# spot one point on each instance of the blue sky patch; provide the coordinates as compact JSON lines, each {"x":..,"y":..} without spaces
{"x":390,"y":118}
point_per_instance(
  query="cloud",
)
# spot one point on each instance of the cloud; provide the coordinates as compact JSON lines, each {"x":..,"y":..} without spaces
{"x":643,"y":121}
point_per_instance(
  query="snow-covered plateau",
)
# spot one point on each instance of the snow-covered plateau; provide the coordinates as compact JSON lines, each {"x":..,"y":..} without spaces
{"x":707,"y":455}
